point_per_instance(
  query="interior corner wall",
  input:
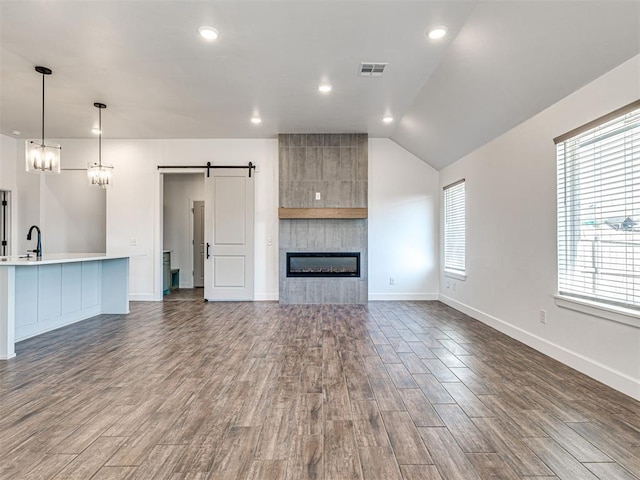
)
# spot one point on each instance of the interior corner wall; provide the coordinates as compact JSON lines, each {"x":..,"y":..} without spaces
{"x":73,"y":212}
{"x":403,"y":224}
{"x":179,"y":192}
{"x":28,"y":201}
{"x":511,"y":239}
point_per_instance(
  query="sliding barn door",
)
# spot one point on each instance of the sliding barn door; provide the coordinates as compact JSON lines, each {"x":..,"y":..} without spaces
{"x":229,"y":235}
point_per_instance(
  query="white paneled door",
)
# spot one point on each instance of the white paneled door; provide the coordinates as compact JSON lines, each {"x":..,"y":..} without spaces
{"x":229,"y":235}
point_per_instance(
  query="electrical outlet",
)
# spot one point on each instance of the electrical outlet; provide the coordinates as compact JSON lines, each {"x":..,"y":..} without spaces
{"x":392,"y":281}
{"x":543,"y":316}
{"x":318,"y":196}
{"x":133,"y":242}
{"x":269,"y":242}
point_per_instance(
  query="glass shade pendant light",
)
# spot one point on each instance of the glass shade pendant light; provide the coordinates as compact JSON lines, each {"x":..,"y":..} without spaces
{"x":99,"y":174}
{"x":41,"y":157}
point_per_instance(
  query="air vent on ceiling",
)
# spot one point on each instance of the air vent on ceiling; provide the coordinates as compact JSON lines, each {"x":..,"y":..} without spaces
{"x":369,"y":69}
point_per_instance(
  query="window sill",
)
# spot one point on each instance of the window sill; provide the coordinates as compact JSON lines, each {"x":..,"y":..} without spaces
{"x":456,"y":275}
{"x":607,"y":312}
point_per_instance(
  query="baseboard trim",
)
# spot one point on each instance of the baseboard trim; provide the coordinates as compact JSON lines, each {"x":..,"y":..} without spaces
{"x":380,"y":297}
{"x":266,"y":297}
{"x":147,"y":297}
{"x":143,"y":297}
{"x":613,"y":378}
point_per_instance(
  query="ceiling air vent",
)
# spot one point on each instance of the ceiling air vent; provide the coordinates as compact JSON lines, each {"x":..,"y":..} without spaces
{"x":368,"y":69}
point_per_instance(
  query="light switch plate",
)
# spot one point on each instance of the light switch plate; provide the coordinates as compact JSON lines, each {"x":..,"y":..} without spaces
{"x":318,"y":196}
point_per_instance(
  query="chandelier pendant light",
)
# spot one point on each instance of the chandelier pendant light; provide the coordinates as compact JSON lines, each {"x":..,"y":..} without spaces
{"x":41,"y":157}
{"x":99,"y":174}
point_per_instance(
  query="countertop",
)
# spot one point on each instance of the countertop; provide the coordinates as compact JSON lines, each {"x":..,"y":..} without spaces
{"x":58,"y":258}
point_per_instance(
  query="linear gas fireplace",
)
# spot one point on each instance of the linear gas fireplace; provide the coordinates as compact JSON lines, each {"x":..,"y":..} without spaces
{"x":323,"y":264}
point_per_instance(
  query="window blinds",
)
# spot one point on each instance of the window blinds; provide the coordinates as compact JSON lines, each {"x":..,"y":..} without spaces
{"x":454,"y":227}
{"x":599,"y":211}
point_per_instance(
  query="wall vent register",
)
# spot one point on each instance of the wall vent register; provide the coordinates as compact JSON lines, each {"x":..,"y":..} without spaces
{"x":323,"y":264}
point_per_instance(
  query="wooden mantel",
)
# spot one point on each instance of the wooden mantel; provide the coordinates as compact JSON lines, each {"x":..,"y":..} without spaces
{"x":322,"y":212}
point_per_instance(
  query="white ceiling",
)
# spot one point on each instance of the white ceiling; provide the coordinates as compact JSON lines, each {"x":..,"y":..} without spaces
{"x":501,"y":63}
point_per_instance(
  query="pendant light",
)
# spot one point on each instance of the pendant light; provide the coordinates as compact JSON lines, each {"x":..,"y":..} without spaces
{"x":40,"y":157}
{"x":99,"y":174}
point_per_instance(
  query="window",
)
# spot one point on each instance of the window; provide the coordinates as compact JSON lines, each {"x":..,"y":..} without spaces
{"x":454,"y":228}
{"x":599,"y":210}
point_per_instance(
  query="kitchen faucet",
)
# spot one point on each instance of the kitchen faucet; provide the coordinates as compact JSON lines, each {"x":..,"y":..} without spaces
{"x":38,"y":250}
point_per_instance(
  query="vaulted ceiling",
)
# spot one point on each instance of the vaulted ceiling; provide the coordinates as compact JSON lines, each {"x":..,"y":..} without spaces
{"x":499,"y":64}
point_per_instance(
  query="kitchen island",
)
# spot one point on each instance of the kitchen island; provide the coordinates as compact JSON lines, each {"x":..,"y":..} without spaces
{"x":39,"y":295}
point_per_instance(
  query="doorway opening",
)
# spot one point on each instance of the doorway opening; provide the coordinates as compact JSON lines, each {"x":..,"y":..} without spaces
{"x":182,"y":263}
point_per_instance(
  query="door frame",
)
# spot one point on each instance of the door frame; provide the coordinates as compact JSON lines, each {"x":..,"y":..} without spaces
{"x":14,"y":238}
{"x":158,"y":243}
{"x":10,"y":220}
{"x":159,"y":229}
{"x":192,"y":217}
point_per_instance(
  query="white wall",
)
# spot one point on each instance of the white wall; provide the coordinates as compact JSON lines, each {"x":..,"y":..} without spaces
{"x":8,"y":155}
{"x":403,"y":205}
{"x":27,"y":200}
{"x":403,"y":208}
{"x":403,"y":224}
{"x":73,"y":212}
{"x":511,"y":239}
{"x":73,"y":217}
{"x":134,"y":213}
{"x":70,"y":213}
{"x":179,"y":193}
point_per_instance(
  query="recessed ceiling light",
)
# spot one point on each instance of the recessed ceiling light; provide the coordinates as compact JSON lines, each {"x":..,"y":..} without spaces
{"x":16,"y":132}
{"x":208,"y":33}
{"x":255,"y":119}
{"x":387,"y":119}
{"x":95,"y":131}
{"x":437,"y":33}
{"x":325,"y":88}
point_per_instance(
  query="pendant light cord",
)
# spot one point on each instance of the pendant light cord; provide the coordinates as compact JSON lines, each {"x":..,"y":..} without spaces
{"x":100,"y":138}
{"x":43,"y":109}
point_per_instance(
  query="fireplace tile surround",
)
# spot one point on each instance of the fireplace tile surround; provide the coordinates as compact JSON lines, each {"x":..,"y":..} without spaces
{"x":336,"y":166}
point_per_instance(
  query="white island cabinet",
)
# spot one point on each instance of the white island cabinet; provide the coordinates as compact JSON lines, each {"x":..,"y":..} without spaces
{"x":39,"y":295}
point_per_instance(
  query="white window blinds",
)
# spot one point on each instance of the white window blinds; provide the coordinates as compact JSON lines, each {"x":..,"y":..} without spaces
{"x":454,"y":227}
{"x":599,"y":210}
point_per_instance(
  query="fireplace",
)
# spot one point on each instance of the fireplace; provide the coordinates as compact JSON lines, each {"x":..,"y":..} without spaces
{"x":323,"y":264}
{"x":323,"y":244}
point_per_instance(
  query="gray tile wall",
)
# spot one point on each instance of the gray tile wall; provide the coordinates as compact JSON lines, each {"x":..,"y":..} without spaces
{"x":336,"y":165}
{"x":323,"y":235}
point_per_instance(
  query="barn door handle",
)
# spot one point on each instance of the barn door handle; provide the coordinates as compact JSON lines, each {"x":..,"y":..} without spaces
{"x":208,"y":250}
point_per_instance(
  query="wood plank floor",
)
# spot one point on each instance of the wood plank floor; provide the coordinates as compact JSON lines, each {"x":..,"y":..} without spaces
{"x":392,"y":390}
